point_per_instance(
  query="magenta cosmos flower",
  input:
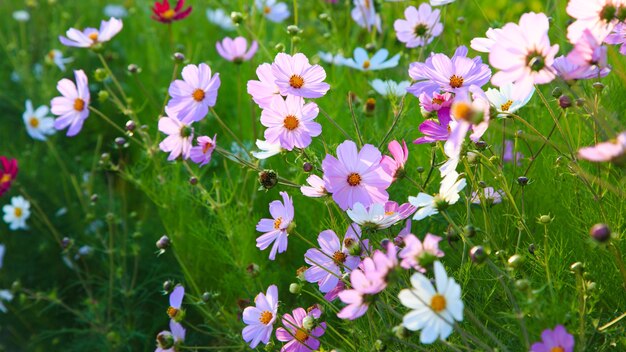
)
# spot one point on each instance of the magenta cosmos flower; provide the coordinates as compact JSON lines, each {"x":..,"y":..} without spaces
{"x":557,"y":340}
{"x":613,"y":151}
{"x":164,"y":13}
{"x":264,"y":91}
{"x":174,"y":311}
{"x":276,"y":229}
{"x":202,"y":153}
{"x":366,"y":282}
{"x":333,"y":258}
{"x":523,"y":54}
{"x":194,"y":94}
{"x":260,"y":319}
{"x":301,"y":331}
{"x":169,"y":341}
{"x":73,"y":106}
{"x":436,"y":130}
{"x":419,"y":255}
{"x":290,"y":122}
{"x":454,"y":74}
{"x":436,"y":101}
{"x":236,"y":50}
{"x":394,"y":164}
{"x":356,"y":176}
{"x":420,"y":27}
{"x":294,"y":75}
{"x":8,"y":173}
{"x":179,"y":139}
{"x":91,"y":36}
{"x":618,"y":37}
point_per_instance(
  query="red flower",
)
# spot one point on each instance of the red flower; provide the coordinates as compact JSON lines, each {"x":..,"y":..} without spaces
{"x":8,"y":172}
{"x":163,"y":12}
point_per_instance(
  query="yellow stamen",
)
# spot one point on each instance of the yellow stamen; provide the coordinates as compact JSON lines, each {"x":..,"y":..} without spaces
{"x":277,"y":223}
{"x":267,"y":10}
{"x":456,"y":81}
{"x":198,"y":95}
{"x":291,"y":122}
{"x":172,"y":312}
{"x":79,"y":104}
{"x":168,"y":15}
{"x":206,"y":148}
{"x":557,"y":349}
{"x":5,"y":178}
{"x":354,"y":179}
{"x":93,"y":36}
{"x":266,"y":317}
{"x":366,"y":64}
{"x":296,"y":81}
{"x":438,"y":303}
{"x":33,"y":122}
{"x":18,"y":212}
{"x":506,"y":106}
{"x":339,"y":257}
{"x":301,"y":335}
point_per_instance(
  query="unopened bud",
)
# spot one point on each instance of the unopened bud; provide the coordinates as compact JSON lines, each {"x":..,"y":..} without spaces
{"x":295,"y":288}
{"x":600,"y":232}
{"x":100,"y":74}
{"x":163,"y":242}
{"x":193,"y":180}
{"x":522,"y":181}
{"x":268,"y":179}
{"x":179,"y":57}
{"x":253,"y":269}
{"x":132,"y":68}
{"x":598,"y":87}
{"x":307,"y":167}
{"x":236,"y":17}
{"x":565,"y":101}
{"x":293,"y":30}
{"x":167,"y":286}
{"x":557,"y":92}
{"x":478,"y":254}
{"x":577,"y":268}
{"x":515,"y":261}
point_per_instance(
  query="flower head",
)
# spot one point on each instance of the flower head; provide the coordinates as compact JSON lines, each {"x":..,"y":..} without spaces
{"x":8,"y":173}
{"x":179,"y":139}
{"x":90,"y":37}
{"x":55,"y":57}
{"x":489,"y":196}
{"x":294,"y":75}
{"x":364,"y":14}
{"x":298,"y":336}
{"x":260,"y":319}
{"x":363,"y":62}
{"x":394,"y":164}
{"x":169,"y":341}
{"x":420,"y":27}
{"x":174,"y":311}
{"x":72,"y":107}
{"x":164,"y":13}
{"x":273,"y":10}
{"x":436,"y":130}
{"x":436,"y":101}
{"x":618,"y":37}
{"x":598,"y":16}
{"x":611,"y":151}
{"x":220,"y":18}
{"x":557,"y":340}
{"x":428,"y":205}
{"x":589,"y":51}
{"x":290,"y":122}
{"x":202,"y":153}
{"x":16,"y":213}
{"x":236,"y":50}
{"x":194,"y":94}
{"x":373,"y":217}
{"x":569,"y":71}
{"x":264,"y":91}
{"x":277,"y":229}
{"x":506,"y":99}
{"x":419,"y":255}
{"x":38,"y":124}
{"x":266,"y":149}
{"x":366,"y":282}
{"x":390,"y":88}
{"x":315,"y":188}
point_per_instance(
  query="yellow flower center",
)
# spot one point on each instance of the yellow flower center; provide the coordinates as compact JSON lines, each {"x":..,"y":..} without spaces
{"x":301,"y":335}
{"x":291,"y":122}
{"x":339,"y":257}
{"x":18,"y":212}
{"x":33,"y":122}
{"x":51,"y":55}
{"x":437,"y":101}
{"x":354,"y":179}
{"x":557,"y":349}
{"x":296,"y":81}
{"x":169,"y":14}
{"x":79,"y":104}
{"x":207,"y":147}
{"x":266,"y":317}
{"x":438,"y":303}
{"x":198,"y":95}
{"x":456,"y":81}
{"x":462,"y":111}
{"x":389,"y":213}
{"x":367,"y":4}
{"x":506,"y":106}
{"x":277,"y":223}
{"x":267,"y":10}
{"x":5,"y":178}
{"x":366,"y":64}
{"x":172,"y":312}
{"x":94,"y":36}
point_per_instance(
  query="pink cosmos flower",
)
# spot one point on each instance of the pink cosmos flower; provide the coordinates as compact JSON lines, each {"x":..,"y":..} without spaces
{"x":203,"y":152}
{"x":394,"y":165}
{"x":364,"y":14}
{"x":194,"y":94}
{"x":618,"y":37}
{"x":260,"y":319}
{"x":403,"y":210}
{"x":507,"y":157}
{"x":333,"y":258}
{"x":357,"y":176}
{"x":366,"y":282}
{"x":179,"y":136}
{"x":523,"y":54}
{"x":73,"y":106}
{"x":8,"y":173}
{"x":315,"y":189}
{"x":419,"y":255}
{"x":175,"y":311}
{"x":236,"y":50}
{"x":299,"y":336}
{"x":386,"y":261}
{"x":169,"y":341}
{"x":554,"y":340}
{"x":276,"y":229}
{"x":569,"y":71}
{"x":272,"y":10}
{"x":613,"y":151}
{"x":89,"y":37}
{"x":484,"y":45}
{"x":334,"y":293}
{"x":588,"y":51}
{"x":294,"y":75}
{"x":264,"y":91}
{"x":455,"y":74}
{"x":436,"y":130}
{"x":420,"y":27}
{"x":490,"y":196}
{"x":598,"y":16}
{"x":290,"y":122}
{"x":435,"y":101}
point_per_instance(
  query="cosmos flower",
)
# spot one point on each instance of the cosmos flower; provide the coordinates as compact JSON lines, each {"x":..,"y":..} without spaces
{"x":390,"y":87}
{"x":394,"y":164}
{"x":5,"y":296}
{"x":266,"y":149}
{"x":484,"y":45}
{"x":554,"y":340}
{"x":194,"y":94}
{"x":489,"y":196}
{"x":428,"y":205}
{"x":117,"y":11}
{"x":272,"y":10}
{"x":164,"y":13}
{"x":403,"y":210}
{"x":598,"y":16}
{"x":38,"y":123}
{"x":337,"y":59}
{"x":610,"y":151}
{"x":16,"y":213}
{"x":436,"y":101}
{"x":277,"y":229}
{"x":236,"y":50}
{"x":202,"y":153}
{"x":588,"y":51}
{"x":454,"y":74}
{"x":294,"y":75}
{"x":21,"y":16}
{"x":523,"y":54}
{"x":569,"y":71}
{"x":507,"y":157}
{"x":506,"y":100}
{"x":220,"y":18}
{"x":72,"y":108}
{"x":618,"y":37}
{"x":373,"y":217}
{"x":315,"y":188}
{"x":169,"y":341}
{"x":364,"y":14}
{"x":89,"y":37}
{"x":179,"y":137}
{"x":363,"y":62}
{"x":420,"y":27}
{"x":55,"y":57}
{"x":356,"y":176}
{"x":8,"y":173}
{"x":299,"y":337}
{"x":433,"y":310}
{"x":174,"y":311}
{"x":366,"y":282}
{"x":264,"y":91}
{"x":290,"y":122}
{"x":260,"y":319}
{"x":419,"y":255}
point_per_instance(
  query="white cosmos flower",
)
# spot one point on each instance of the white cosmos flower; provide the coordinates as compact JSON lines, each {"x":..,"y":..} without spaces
{"x":5,"y":295}
{"x":117,"y":11}
{"x":220,"y":18}
{"x":433,"y":311}
{"x":21,"y":16}
{"x":337,"y":59}
{"x":266,"y":149}
{"x":56,"y":57}
{"x":316,"y":187}
{"x":428,"y":205}
{"x":503,"y":99}
{"x":390,"y":87}
{"x":373,"y":217}
{"x":16,"y":213}
{"x":440,"y":2}
{"x":38,"y":123}
{"x":363,"y":62}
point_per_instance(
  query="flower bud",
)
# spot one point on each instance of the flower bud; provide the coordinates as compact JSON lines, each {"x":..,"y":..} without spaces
{"x":280,"y":47}
{"x":522,"y":284}
{"x":193,"y":180}
{"x":100,"y":74}
{"x":469,"y":231}
{"x":598,"y":87}
{"x":384,"y":243}
{"x":253,"y":269}
{"x":163,"y":243}
{"x":600,"y":232}
{"x":103,"y":96}
{"x":370,"y":106}
{"x":379,"y":346}
{"x":179,"y":57}
{"x":167,"y":286}
{"x":268,"y":179}
{"x":130,"y":125}
{"x":293,"y":30}
{"x":522,"y":181}
{"x":206,"y":297}
{"x":399,"y":331}
{"x":531,"y":248}
{"x":420,"y":169}
{"x":307,"y":167}
{"x":481,"y":145}
{"x":577,"y":268}
{"x":324,"y":17}
{"x":565,"y":101}
{"x":120,"y":141}
{"x":236,"y":17}
{"x":132,"y":68}
{"x":270,"y":346}
{"x":545,"y":219}
{"x":557,"y":92}
{"x":515,"y":261}
{"x":580,"y":102}
{"x":295,"y":288}
{"x":308,"y":322}
{"x":478,"y":254}
{"x":66,"y":243}
{"x":165,"y":340}
{"x":300,"y":273}
{"x":370,"y":47}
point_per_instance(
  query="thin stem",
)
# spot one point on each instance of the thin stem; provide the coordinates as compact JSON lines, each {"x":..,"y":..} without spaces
{"x":356,"y":124}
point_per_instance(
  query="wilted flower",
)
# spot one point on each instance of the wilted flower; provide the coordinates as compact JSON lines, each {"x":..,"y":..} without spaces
{"x":420,"y":27}
{"x":73,"y":106}
{"x":38,"y":123}
{"x":16,"y":213}
{"x":91,"y":36}
{"x":194,"y":94}
{"x":363,"y":62}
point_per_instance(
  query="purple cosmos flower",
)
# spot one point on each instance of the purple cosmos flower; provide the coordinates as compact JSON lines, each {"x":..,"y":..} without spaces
{"x":174,"y":311}
{"x":569,"y":71}
{"x":436,"y":130}
{"x":420,"y":27}
{"x":73,"y":106}
{"x":490,"y":196}
{"x":364,"y":14}
{"x":419,"y":255}
{"x":179,"y":139}
{"x":595,"y":15}
{"x":260,"y":319}
{"x":334,"y":293}
{"x":394,"y":165}
{"x":315,"y":189}
{"x":356,"y":176}
{"x":618,"y":37}
{"x":169,"y":341}
{"x":194,"y":94}
{"x":276,"y":229}
{"x":272,"y":10}
{"x":92,"y":36}
{"x":202,"y":153}
{"x":404,"y":211}
{"x":523,"y":54}
{"x":613,"y":151}
{"x":435,"y":101}
{"x":557,"y":340}
{"x":299,"y":336}
{"x":296,"y":76}
{"x":508,"y":153}
{"x":290,"y":122}
{"x":366,"y":282}
{"x":236,"y":50}
{"x":330,"y":260}
{"x":455,"y":74}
